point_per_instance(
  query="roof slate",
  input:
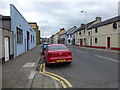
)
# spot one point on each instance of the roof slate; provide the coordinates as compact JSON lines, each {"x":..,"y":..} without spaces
{"x":112,"y":20}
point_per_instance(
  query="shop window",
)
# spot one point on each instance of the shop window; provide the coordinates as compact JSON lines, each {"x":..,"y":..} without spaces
{"x":19,"y":35}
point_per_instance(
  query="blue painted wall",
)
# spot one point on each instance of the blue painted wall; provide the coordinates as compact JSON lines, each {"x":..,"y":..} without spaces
{"x":17,"y":20}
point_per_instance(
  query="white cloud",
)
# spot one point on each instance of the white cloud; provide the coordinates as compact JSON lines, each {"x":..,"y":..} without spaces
{"x":51,"y":15}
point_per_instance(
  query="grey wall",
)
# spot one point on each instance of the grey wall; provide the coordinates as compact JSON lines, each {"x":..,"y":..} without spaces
{"x":5,"y":31}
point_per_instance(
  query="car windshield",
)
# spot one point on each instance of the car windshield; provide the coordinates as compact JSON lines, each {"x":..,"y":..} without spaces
{"x":57,"y":47}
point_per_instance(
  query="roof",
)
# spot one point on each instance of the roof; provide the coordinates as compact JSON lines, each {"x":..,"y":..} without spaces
{"x":32,"y":22}
{"x":71,"y":29}
{"x":6,"y":18}
{"x":112,"y":20}
{"x":83,"y":25}
{"x":68,"y":31}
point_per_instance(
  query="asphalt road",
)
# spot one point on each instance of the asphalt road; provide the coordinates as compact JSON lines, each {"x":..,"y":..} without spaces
{"x":89,"y":69}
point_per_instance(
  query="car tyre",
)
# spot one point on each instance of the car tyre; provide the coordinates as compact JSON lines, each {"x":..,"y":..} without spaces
{"x":47,"y":65}
{"x":69,"y":62}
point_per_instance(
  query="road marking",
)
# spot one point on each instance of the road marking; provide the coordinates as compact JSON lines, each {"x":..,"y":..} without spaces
{"x":32,"y":74}
{"x":44,"y":71}
{"x":30,"y":64}
{"x":81,"y":51}
{"x":54,"y":76}
{"x":107,"y":58}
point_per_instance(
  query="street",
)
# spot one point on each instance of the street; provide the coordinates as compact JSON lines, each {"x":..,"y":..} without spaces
{"x":89,"y":69}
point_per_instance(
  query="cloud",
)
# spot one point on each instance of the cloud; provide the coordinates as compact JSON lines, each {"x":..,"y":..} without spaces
{"x":53,"y":15}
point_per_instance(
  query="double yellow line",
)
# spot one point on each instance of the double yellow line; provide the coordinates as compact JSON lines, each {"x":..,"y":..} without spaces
{"x":58,"y":78}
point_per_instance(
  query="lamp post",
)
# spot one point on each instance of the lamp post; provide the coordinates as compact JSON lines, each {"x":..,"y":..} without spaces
{"x":85,"y":18}
{"x":85,"y":25}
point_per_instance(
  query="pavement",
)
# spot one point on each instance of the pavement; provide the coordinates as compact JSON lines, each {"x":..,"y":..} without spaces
{"x":22,"y":72}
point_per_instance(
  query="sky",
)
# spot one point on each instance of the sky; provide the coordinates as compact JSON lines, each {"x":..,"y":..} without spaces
{"x":52,"y":15}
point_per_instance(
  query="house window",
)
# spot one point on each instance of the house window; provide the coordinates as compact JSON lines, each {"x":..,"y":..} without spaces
{"x":84,"y":31}
{"x":80,"y":33}
{"x":89,"y":33}
{"x":70,"y":36}
{"x":115,"y":25}
{"x":31,"y":38}
{"x":96,"y":30}
{"x":67,"y":36}
{"x":96,"y":40}
{"x":68,"y":41}
{"x":19,"y":35}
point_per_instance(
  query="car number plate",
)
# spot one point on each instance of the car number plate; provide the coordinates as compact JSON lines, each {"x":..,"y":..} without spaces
{"x":61,"y":60}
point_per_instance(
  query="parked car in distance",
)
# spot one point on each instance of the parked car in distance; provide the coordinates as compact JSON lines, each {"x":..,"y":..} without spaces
{"x":57,"y":53}
{"x":44,"y":47}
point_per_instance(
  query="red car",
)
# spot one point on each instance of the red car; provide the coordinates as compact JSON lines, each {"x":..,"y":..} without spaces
{"x":57,"y":53}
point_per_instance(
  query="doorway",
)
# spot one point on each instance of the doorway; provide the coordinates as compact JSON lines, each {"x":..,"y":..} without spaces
{"x":6,"y":42}
{"x":108,"y":42}
{"x":81,"y":42}
{"x":28,"y":37}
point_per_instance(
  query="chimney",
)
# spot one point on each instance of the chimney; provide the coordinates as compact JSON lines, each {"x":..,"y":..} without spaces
{"x":61,"y":29}
{"x":98,"y":18}
{"x":82,"y":25}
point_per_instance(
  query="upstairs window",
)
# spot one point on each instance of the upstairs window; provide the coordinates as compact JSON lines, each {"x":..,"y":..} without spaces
{"x":67,"y":36}
{"x":19,"y":35}
{"x":96,"y":30}
{"x":115,"y":25}
{"x":84,"y":31}
{"x":89,"y":33}
{"x":80,"y":33}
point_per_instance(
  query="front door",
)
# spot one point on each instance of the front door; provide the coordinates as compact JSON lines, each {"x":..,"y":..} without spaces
{"x":28,"y":37}
{"x":81,"y":42}
{"x":25,"y":45}
{"x":108,"y":42}
{"x":6,"y":41}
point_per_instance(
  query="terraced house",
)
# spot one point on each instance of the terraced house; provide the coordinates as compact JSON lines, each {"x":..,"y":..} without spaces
{"x":105,"y":34}
{"x":56,"y":37}
{"x":82,"y":34}
{"x":36,"y":29}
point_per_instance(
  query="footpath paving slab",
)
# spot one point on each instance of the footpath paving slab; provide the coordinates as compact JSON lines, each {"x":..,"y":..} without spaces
{"x":20,"y":72}
{"x":42,"y":81}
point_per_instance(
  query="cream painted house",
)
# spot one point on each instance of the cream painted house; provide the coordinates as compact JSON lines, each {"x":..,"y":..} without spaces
{"x":56,"y":38}
{"x":81,"y":35}
{"x":105,"y":34}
